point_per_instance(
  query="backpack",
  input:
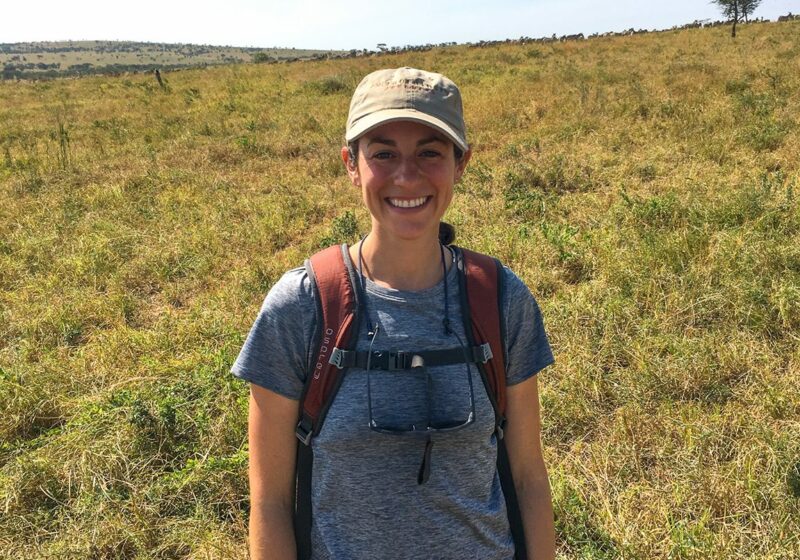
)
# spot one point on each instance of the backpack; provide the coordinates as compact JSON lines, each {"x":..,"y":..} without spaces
{"x":337,"y":290}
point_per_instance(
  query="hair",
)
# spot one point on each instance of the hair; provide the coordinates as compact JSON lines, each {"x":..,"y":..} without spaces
{"x":447,"y":233}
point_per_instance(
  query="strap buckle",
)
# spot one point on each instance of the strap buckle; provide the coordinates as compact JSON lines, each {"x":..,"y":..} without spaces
{"x":337,"y":358}
{"x":304,"y":431}
{"x":396,"y":360}
{"x":483,"y":353}
{"x":500,"y":428}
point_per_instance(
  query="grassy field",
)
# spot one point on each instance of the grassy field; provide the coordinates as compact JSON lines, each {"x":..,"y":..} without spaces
{"x":645,"y":187}
{"x":61,"y":58}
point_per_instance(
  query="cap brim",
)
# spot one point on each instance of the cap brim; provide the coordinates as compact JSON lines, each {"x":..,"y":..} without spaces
{"x":375,"y":120}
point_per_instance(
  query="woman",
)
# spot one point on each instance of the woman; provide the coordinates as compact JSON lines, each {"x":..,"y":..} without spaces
{"x":377,"y":490}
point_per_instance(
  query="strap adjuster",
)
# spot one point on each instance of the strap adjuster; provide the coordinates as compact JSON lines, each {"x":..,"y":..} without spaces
{"x":337,"y":358}
{"x":483,"y":353}
{"x":304,"y":431}
{"x":396,"y":360}
{"x":500,"y":428}
{"x":390,"y":361}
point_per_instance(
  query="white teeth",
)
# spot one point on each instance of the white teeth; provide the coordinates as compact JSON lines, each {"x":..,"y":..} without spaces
{"x":413,"y":203}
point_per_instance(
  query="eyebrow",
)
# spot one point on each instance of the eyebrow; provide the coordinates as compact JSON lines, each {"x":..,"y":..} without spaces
{"x":389,"y":142}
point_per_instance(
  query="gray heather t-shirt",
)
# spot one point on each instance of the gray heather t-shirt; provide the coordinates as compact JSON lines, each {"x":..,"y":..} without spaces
{"x":366,"y":501}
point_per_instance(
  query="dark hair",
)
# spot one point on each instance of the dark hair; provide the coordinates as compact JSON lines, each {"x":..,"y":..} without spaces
{"x":447,"y":233}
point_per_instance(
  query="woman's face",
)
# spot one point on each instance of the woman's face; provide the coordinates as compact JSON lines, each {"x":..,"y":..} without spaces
{"x":406,"y":172}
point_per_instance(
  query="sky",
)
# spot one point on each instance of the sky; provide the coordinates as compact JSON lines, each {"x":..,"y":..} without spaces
{"x":344,"y":25}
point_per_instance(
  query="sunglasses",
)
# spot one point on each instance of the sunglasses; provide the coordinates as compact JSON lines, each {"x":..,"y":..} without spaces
{"x":430,"y":426}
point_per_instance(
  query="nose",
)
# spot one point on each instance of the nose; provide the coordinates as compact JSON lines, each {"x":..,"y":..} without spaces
{"x":407,"y":171}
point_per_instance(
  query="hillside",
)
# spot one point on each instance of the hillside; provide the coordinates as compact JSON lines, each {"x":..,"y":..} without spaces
{"x":644,"y":187}
{"x":80,"y":58}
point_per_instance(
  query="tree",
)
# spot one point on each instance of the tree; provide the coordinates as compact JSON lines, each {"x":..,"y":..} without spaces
{"x":260,"y":57}
{"x":737,"y":10}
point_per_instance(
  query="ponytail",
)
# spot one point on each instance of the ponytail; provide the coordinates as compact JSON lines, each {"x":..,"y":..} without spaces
{"x":447,"y":233}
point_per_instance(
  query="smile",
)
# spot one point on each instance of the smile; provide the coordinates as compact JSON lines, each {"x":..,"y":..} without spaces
{"x":408,"y":203}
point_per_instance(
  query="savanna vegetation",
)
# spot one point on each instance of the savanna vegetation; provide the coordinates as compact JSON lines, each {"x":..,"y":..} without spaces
{"x":645,"y":187}
{"x":52,"y":59}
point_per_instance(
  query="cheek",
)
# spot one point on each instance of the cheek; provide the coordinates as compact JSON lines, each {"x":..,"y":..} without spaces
{"x":373,"y":178}
{"x":446,"y":179}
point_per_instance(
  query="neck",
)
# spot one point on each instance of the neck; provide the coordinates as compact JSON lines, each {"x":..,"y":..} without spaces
{"x":411,"y":265}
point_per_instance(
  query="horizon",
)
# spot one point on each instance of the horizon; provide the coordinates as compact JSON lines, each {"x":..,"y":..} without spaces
{"x":335,"y":25}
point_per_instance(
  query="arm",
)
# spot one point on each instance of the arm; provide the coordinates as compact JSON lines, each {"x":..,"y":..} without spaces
{"x":272,"y":419}
{"x":528,"y":469}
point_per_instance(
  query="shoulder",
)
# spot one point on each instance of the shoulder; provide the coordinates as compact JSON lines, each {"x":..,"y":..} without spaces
{"x":526,"y":340}
{"x":290,"y":310}
{"x":526,"y":344}
{"x":276,"y":352}
{"x":512,"y":285}
{"x":520,"y":307}
{"x":514,"y":288}
{"x":293,"y":289}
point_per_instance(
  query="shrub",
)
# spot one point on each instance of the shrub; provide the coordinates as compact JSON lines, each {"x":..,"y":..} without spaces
{"x":343,"y":230}
{"x":329,"y":86}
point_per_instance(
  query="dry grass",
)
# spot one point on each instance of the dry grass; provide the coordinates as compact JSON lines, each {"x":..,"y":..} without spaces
{"x":644,"y":187}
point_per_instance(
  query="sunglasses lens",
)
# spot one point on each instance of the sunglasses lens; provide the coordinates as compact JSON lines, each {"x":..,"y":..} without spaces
{"x":441,"y":402}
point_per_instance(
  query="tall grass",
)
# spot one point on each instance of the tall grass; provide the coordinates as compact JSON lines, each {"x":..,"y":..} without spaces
{"x":644,"y":187}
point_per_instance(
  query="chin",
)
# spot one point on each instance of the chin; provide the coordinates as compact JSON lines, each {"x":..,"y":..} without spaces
{"x":415,"y":234}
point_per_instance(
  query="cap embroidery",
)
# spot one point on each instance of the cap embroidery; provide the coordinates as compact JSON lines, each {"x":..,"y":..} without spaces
{"x":413,"y":84}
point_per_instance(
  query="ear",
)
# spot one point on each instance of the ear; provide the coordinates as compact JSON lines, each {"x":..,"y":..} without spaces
{"x":462,"y":164}
{"x":352,"y":167}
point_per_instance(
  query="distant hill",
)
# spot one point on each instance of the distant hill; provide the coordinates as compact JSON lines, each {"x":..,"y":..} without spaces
{"x":75,"y":58}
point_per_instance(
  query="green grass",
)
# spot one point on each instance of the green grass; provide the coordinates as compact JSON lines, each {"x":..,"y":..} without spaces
{"x":644,"y":187}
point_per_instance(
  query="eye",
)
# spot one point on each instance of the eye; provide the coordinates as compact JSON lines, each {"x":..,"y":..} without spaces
{"x":383,"y":154}
{"x":430,"y":153}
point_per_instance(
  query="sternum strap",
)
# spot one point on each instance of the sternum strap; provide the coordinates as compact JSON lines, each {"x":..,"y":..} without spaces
{"x":394,"y":360}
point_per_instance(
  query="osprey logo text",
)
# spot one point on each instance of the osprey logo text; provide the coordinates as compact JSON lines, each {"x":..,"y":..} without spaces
{"x":323,"y":352}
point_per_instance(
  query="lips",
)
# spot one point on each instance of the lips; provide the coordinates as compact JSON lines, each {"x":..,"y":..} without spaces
{"x":408,"y":202}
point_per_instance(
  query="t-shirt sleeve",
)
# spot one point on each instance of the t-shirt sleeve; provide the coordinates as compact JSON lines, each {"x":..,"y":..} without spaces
{"x":527,"y":345}
{"x":275,"y":353}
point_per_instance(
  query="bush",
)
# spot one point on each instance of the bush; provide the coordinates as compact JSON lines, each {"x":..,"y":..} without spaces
{"x":329,"y":86}
{"x":343,"y":230}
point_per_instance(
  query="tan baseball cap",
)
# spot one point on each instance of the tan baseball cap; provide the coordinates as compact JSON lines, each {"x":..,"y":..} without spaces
{"x":407,"y":94}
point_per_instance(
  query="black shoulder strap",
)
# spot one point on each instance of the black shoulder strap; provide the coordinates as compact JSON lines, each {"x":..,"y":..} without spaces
{"x":481,"y":288}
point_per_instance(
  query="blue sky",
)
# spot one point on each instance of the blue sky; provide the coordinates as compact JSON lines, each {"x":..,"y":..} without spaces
{"x":337,"y":24}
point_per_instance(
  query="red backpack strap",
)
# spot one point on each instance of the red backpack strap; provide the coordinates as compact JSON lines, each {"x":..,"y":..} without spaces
{"x":483,"y":278}
{"x":482,"y":290}
{"x":334,"y":284}
{"x":333,"y":281}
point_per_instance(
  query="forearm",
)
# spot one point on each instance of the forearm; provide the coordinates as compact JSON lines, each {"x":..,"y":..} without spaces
{"x":536,"y":507}
{"x":273,"y":447}
{"x":271,"y":533}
